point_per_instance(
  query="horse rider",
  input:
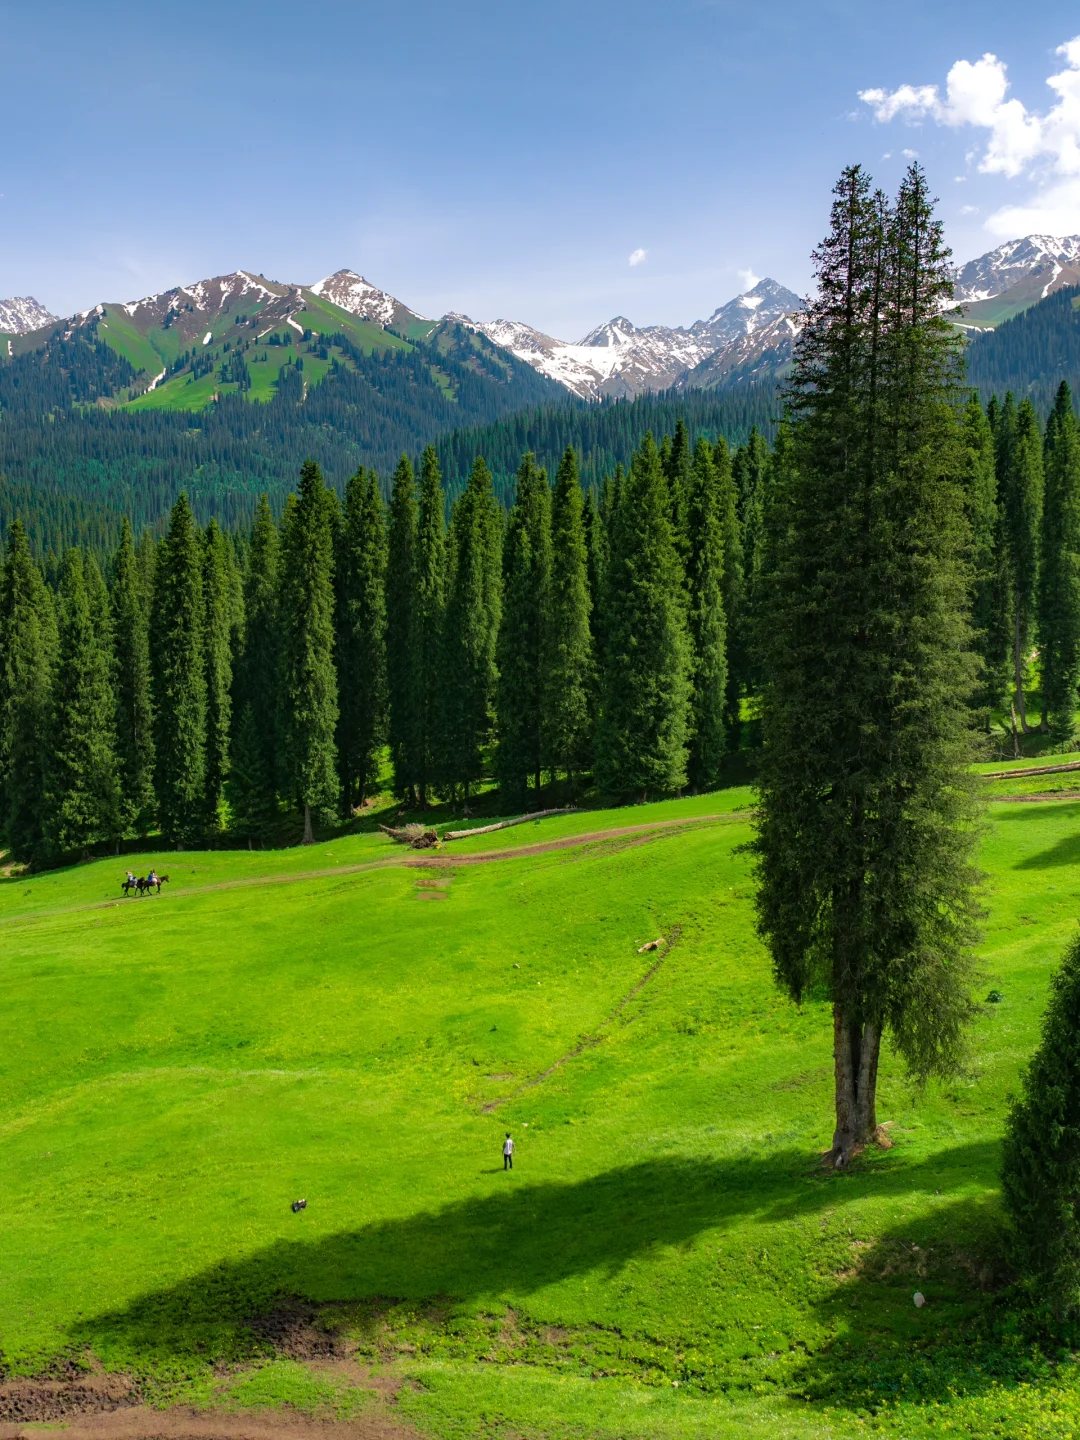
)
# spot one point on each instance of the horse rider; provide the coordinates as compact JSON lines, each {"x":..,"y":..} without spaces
{"x":152,"y":879}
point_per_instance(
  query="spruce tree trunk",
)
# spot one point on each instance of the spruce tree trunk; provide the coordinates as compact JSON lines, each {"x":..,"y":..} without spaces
{"x":856,"y":1049}
{"x":309,"y":834}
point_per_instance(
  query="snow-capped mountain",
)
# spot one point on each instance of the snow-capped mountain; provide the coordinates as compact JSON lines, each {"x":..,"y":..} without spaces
{"x":359,"y":297}
{"x":752,"y":355}
{"x":21,"y":314}
{"x":754,"y":310}
{"x":1003,"y":267}
{"x":618,"y":359}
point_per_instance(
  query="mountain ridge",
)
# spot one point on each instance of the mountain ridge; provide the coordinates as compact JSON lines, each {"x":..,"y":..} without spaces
{"x":163,"y":335}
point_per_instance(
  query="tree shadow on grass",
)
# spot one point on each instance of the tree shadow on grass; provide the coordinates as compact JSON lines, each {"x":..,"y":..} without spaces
{"x":1065,"y":852}
{"x":973,"y":1332}
{"x":506,"y":1245}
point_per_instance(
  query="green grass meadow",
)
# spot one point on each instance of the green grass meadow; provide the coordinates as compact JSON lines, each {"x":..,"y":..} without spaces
{"x":666,"y":1259}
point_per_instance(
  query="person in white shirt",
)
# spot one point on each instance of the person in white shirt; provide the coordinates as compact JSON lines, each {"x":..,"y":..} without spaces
{"x":508,"y":1152}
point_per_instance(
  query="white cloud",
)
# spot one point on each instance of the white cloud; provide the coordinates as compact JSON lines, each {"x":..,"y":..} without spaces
{"x":969,"y":209}
{"x":910,"y":154}
{"x":638,"y":257}
{"x":1020,"y":142}
{"x":748,"y":278}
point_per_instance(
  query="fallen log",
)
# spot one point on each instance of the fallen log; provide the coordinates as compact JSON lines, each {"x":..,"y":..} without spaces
{"x":505,"y":824}
{"x":415,"y":836}
{"x":1030,"y":770}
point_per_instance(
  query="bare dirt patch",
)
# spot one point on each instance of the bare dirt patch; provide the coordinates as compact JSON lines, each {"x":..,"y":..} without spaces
{"x":91,"y":1405}
{"x":179,"y":1422}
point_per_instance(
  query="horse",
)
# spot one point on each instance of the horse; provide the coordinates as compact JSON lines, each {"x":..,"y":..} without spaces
{"x":154,"y":884}
{"x":130,"y":884}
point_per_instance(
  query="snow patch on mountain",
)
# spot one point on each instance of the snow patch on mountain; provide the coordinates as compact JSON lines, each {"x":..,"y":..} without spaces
{"x":22,"y":314}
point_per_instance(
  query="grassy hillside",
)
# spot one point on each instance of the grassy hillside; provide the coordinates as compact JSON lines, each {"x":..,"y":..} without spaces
{"x":355,"y":1026}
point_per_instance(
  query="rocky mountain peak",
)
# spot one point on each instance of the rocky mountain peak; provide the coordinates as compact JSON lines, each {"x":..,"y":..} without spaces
{"x":618,"y":331}
{"x":352,"y":292}
{"x":22,"y":314}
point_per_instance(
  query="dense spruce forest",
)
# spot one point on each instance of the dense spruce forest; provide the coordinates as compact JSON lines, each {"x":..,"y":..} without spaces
{"x":72,"y":464}
{"x":211,"y":682}
{"x":1031,"y":353}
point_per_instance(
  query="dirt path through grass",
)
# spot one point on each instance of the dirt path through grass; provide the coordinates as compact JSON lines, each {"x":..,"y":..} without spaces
{"x":411,"y":860}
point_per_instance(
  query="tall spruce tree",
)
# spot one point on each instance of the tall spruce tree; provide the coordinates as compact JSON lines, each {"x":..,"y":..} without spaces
{"x":989,"y":606}
{"x":569,"y":669}
{"x":641,"y":738}
{"x":146,"y":558}
{"x":361,"y":637}
{"x":82,"y":796}
{"x":256,"y":680}
{"x":403,"y":723}
{"x":523,"y":647}
{"x":179,"y":671}
{"x":27,"y":658}
{"x":134,"y":707}
{"x":595,"y":551}
{"x":864,"y":821}
{"x":470,"y":631}
{"x":97,"y":596}
{"x":677,"y":467}
{"x":751,"y":473}
{"x":1022,"y":504}
{"x":707,"y":622}
{"x":734,"y":591}
{"x":306,"y":626}
{"x":1059,"y":573}
{"x":218,"y":628}
{"x":252,"y":798}
{"x":429,"y":603}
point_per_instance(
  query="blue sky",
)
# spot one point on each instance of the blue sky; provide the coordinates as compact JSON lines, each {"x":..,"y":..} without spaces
{"x":506,"y":159}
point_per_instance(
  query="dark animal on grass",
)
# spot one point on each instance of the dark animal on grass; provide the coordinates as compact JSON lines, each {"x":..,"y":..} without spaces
{"x":131,"y":883}
{"x":153,"y":881}
{"x":298,"y":1205}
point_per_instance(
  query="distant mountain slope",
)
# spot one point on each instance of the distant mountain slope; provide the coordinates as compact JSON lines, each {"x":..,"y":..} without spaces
{"x":241,"y":334}
{"x":1032,"y":353}
{"x":1004,"y":266}
{"x":88,"y":427}
{"x":617,"y":359}
{"x":1012,"y":277}
{"x":229,"y":334}
{"x":21,"y":314}
{"x":762,"y":354}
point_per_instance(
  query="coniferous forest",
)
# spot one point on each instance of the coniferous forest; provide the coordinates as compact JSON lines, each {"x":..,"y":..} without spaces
{"x":209,"y":682}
